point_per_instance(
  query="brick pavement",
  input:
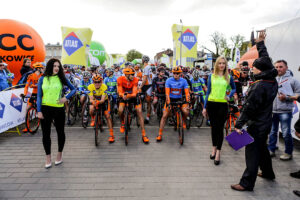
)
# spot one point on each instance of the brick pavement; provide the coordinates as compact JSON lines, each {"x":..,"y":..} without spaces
{"x":163,"y":170}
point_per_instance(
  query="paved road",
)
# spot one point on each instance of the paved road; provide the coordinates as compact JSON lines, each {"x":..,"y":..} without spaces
{"x":163,"y":170}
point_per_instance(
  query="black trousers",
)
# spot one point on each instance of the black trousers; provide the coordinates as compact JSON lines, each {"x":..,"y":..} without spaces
{"x":58,"y":115}
{"x":257,"y":155}
{"x":217,"y":113}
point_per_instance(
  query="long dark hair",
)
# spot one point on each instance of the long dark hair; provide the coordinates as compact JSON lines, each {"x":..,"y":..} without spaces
{"x":49,"y":70}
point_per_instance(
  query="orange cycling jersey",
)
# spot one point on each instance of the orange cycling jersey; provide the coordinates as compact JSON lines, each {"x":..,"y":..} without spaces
{"x":130,"y":87}
{"x":32,"y":82}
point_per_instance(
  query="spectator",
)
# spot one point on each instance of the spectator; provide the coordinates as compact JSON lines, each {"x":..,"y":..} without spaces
{"x":26,"y":66}
{"x":257,"y":114}
{"x":283,"y":110}
{"x":4,"y":78}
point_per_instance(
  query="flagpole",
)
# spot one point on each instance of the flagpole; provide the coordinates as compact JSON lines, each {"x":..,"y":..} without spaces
{"x":181,"y":40}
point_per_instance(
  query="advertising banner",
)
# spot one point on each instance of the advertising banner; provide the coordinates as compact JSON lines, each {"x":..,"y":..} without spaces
{"x":75,"y":45}
{"x":185,"y":40}
{"x":12,"y":109}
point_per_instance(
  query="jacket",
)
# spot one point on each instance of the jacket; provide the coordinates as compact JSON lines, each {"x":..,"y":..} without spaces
{"x":25,"y":69}
{"x":257,"y":109}
{"x":288,"y":86}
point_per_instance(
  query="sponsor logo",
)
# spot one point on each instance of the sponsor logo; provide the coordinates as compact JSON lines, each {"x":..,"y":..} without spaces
{"x":16,"y":102}
{"x":188,"y":39}
{"x":2,"y":108}
{"x":72,"y":43}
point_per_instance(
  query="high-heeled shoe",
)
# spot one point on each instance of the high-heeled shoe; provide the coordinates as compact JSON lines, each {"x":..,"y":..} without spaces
{"x":47,"y":166}
{"x":216,"y":162}
{"x":212,"y":157}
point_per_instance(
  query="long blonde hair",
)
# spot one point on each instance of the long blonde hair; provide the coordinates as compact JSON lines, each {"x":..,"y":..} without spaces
{"x":216,"y":68}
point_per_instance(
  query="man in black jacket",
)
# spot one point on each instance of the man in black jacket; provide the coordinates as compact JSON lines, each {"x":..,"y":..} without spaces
{"x":257,"y":114}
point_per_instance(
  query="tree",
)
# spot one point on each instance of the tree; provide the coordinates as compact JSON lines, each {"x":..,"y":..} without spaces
{"x":237,"y":40}
{"x":219,"y":41}
{"x":133,"y":54}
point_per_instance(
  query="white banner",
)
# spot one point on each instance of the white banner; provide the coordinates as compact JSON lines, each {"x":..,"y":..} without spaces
{"x":12,"y":109}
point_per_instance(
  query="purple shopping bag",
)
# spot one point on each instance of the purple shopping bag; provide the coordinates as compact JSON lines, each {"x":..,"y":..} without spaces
{"x":237,"y":141}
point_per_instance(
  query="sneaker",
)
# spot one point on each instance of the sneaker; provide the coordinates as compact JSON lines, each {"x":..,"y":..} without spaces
{"x":122,"y":129}
{"x":286,"y":157}
{"x":146,"y":121}
{"x":145,"y":139}
{"x":25,"y":130}
{"x":159,"y":138}
{"x":111,"y":139}
{"x":295,"y":174}
{"x":93,"y":123}
{"x":272,"y":154}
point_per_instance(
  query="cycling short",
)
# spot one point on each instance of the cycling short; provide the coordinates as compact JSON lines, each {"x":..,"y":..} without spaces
{"x":183,"y":106}
{"x":135,"y":101}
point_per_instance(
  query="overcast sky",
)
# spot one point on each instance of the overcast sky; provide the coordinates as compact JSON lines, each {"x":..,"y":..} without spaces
{"x":145,"y":25}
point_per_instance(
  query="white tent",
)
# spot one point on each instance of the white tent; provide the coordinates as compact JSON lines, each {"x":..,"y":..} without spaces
{"x":283,"y":42}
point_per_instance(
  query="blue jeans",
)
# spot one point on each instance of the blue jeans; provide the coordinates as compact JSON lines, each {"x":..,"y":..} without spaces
{"x":285,"y":120}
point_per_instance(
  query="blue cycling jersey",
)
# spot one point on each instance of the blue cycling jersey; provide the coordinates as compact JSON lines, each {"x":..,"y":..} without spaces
{"x":111,"y":83}
{"x":197,"y":85}
{"x":176,"y":87}
{"x":84,"y":85}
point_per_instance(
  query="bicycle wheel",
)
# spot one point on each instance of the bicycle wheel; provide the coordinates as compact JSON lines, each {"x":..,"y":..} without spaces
{"x":78,"y":106}
{"x":198,"y":115}
{"x":126,"y":126}
{"x":85,"y":116}
{"x":180,"y":128}
{"x":97,"y":127}
{"x":227,"y":125}
{"x":72,"y":113}
{"x":32,"y":121}
{"x":159,"y":111}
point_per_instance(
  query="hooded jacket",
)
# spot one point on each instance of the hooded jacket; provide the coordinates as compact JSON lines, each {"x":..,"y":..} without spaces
{"x":288,"y":86}
{"x":257,"y":109}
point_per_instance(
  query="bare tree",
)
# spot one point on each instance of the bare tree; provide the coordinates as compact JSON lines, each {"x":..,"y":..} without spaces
{"x":219,"y":41}
{"x":237,"y":40}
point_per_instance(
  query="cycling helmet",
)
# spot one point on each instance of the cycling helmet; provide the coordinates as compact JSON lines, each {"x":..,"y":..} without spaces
{"x":137,"y":67}
{"x":159,"y":69}
{"x":235,"y":73}
{"x":37,"y":65}
{"x":196,"y":74}
{"x":128,"y":71}
{"x":185,"y":69}
{"x":163,"y":65}
{"x":86,"y":74}
{"x":97,"y":77}
{"x":176,"y":70}
{"x":145,"y":58}
{"x":128,"y":64}
{"x":110,"y":70}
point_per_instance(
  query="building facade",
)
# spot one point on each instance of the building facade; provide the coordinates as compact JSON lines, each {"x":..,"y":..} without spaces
{"x":53,"y":51}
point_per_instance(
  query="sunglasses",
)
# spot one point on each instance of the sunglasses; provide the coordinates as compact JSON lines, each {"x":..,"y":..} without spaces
{"x":176,"y":73}
{"x":97,"y":81}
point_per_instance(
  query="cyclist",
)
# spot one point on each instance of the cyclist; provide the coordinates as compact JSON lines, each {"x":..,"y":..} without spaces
{"x":127,"y":87}
{"x":111,"y":82}
{"x":32,"y":82}
{"x":197,"y":87}
{"x":137,"y":69}
{"x":98,"y":95}
{"x":84,"y":83}
{"x":117,"y":72}
{"x":158,"y":86}
{"x":146,"y":84}
{"x":174,"y":87}
{"x":239,"y":89}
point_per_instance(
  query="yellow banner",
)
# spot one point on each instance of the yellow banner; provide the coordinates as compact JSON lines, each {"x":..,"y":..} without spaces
{"x":185,"y":40}
{"x":76,"y":42}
